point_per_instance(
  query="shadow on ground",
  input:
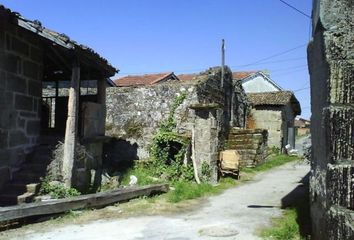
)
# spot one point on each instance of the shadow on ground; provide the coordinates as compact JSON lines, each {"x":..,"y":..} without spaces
{"x":299,"y":200}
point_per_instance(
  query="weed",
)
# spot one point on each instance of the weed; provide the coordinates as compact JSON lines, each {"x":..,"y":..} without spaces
{"x":274,"y":161}
{"x":189,"y":190}
{"x":56,"y":190}
{"x":284,"y":228}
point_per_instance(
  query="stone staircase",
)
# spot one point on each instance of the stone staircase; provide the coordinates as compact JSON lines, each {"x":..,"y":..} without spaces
{"x":251,"y":144}
{"x":25,"y":182}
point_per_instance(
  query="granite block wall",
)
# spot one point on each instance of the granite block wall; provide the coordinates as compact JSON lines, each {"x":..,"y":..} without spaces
{"x":20,"y":95}
{"x":331,"y":65}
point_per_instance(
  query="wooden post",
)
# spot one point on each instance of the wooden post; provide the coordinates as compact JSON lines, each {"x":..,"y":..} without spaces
{"x":195,"y":167}
{"x":71,"y":126}
{"x":222,"y":62}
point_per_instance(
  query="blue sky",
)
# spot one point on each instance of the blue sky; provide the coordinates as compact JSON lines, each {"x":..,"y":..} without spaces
{"x":184,"y":36}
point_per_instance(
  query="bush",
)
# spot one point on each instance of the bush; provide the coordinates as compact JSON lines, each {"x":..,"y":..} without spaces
{"x":56,"y":189}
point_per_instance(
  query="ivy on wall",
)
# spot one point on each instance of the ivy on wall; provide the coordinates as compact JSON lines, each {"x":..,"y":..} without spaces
{"x":169,"y":148}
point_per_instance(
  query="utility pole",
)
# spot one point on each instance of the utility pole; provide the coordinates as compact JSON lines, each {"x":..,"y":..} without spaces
{"x":222,"y":62}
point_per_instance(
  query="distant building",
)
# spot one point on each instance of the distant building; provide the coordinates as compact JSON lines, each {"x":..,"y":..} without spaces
{"x":256,"y":81}
{"x":302,"y":126}
{"x":273,"y":108}
{"x":144,"y":80}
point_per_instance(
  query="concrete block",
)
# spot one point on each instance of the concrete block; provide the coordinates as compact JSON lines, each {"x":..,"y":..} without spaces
{"x":31,"y":69}
{"x":2,"y":79}
{"x":16,"y":84}
{"x":23,"y":102}
{"x":33,"y":127}
{"x":19,"y":46}
{"x":34,"y":88}
{"x":8,"y":119}
{"x":9,"y":62}
{"x":340,"y":132}
{"x":341,"y":87}
{"x":4,"y":175}
{"x":17,"y":138}
{"x":4,"y":139}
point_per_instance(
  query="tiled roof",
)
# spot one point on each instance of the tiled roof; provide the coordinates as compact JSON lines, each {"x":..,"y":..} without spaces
{"x":241,"y":75}
{"x":146,"y":79}
{"x":57,"y":38}
{"x":186,"y":77}
{"x":276,"y":99}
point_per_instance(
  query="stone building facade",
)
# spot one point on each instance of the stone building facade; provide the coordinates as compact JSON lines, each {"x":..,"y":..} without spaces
{"x":32,"y":56}
{"x":331,"y":65}
{"x":135,"y":113}
{"x":275,"y":112}
{"x":21,"y":65}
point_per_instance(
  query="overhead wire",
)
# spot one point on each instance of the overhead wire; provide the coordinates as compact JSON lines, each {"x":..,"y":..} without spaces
{"x":257,"y":62}
{"x":296,"y":9}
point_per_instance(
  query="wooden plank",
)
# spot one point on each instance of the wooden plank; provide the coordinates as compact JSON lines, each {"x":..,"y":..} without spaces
{"x":85,"y":201}
{"x":71,"y":126}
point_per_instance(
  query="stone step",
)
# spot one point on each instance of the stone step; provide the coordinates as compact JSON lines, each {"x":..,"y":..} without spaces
{"x":8,"y":200}
{"x":14,"y":199}
{"x":241,"y":141}
{"x":20,"y":188}
{"x":235,"y":131}
{"x":244,"y":146}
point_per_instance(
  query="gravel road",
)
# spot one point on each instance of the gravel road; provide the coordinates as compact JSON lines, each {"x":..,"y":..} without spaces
{"x":236,"y":214}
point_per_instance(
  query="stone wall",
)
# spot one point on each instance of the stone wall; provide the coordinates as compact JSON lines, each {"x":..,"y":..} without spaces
{"x":270,"y":119}
{"x":20,"y":93}
{"x":251,"y":144}
{"x":275,"y":119}
{"x":134,"y":113}
{"x":134,"y":116}
{"x":331,"y":65}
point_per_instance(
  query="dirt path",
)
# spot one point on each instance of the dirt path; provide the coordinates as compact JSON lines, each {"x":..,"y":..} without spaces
{"x":236,"y":214}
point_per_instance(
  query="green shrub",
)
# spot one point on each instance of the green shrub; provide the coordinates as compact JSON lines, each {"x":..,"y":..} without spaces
{"x":57,"y":190}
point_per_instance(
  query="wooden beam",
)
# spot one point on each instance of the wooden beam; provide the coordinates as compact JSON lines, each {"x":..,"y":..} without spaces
{"x":85,"y":201}
{"x":71,"y":129}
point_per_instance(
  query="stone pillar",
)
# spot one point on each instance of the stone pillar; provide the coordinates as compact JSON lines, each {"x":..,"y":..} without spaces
{"x":71,"y":130}
{"x":206,"y":141}
{"x":331,"y":64}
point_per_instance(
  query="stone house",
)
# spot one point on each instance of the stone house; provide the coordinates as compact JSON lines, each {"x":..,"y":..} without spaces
{"x":134,"y":114}
{"x":32,"y":56}
{"x":146,"y":79}
{"x":274,"y":111}
{"x":273,"y":108}
{"x":302,"y":126}
{"x":256,"y":81}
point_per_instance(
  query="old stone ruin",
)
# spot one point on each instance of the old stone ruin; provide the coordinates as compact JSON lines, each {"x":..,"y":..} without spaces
{"x":209,"y":109}
{"x":331,"y":65}
{"x":32,"y":122}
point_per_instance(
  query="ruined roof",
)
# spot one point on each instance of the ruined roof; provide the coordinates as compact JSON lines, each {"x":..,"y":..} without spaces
{"x":186,"y":77}
{"x":60,"y":39}
{"x":241,"y":75}
{"x":277,"y":98}
{"x":146,"y":79}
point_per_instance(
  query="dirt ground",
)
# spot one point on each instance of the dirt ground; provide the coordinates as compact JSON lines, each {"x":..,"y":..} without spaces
{"x":238,"y":213}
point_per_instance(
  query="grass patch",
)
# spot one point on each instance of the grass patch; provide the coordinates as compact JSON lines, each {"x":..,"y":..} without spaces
{"x":284,"y":227}
{"x":272,"y":162}
{"x":144,"y":174}
{"x":190,"y":190}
